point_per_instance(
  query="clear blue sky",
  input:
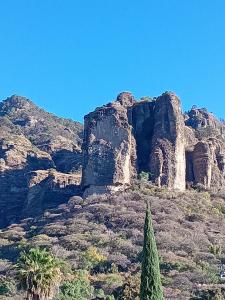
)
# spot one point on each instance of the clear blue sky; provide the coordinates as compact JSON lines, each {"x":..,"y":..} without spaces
{"x":70,"y":56}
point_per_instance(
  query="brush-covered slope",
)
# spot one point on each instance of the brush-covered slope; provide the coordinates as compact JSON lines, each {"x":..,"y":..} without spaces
{"x":189,"y":227}
{"x":46,"y":131}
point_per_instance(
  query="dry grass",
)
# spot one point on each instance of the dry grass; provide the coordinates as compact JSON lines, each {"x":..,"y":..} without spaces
{"x":189,"y":226}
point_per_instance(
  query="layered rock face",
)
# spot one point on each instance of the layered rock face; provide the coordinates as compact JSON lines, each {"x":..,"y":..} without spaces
{"x":49,"y":188}
{"x":167,"y":156}
{"x":125,"y":137}
{"x":109,"y":147}
{"x":17,"y":159}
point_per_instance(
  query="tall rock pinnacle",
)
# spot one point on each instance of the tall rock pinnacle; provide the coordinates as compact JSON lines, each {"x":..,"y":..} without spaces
{"x":109,"y":146}
{"x":167,"y":159}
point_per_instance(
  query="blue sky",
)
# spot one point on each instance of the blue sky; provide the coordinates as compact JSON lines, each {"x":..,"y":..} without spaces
{"x":70,"y":56}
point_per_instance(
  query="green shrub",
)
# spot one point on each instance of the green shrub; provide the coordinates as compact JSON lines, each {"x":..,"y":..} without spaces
{"x":215,"y":250}
{"x":144,"y":176}
{"x":7,"y":286}
{"x":79,"y":288}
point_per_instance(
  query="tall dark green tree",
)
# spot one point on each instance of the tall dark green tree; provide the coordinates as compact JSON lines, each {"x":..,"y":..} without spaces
{"x":151,"y":286}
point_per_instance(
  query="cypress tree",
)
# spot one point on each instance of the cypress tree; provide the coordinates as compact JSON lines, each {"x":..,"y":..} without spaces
{"x":151,"y":286}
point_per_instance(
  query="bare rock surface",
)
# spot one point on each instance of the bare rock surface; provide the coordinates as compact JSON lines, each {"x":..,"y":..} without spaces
{"x":49,"y":188}
{"x":126,"y":137}
{"x":167,"y":159}
{"x":109,"y":146}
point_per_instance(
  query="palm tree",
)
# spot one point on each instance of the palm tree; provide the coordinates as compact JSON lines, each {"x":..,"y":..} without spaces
{"x":39,"y":273}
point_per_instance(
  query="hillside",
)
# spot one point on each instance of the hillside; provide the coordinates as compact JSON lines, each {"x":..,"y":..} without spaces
{"x":56,"y":136}
{"x":189,"y":226}
{"x":33,"y":140}
{"x":83,"y":195}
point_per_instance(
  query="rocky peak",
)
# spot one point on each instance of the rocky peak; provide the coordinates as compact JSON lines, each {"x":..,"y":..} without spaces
{"x":126,"y":99}
{"x":198,"y":118}
{"x":15,"y":103}
{"x":108,"y":147}
{"x":57,"y":136}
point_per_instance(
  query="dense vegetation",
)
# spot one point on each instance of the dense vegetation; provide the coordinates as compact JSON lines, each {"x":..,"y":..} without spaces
{"x":100,"y":240}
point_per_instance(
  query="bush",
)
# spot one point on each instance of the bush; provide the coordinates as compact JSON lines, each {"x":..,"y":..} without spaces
{"x":79,"y":288}
{"x":130,"y":289}
{"x":215,"y":250}
{"x":92,"y":257}
{"x":7,"y":286}
{"x":144,"y":176}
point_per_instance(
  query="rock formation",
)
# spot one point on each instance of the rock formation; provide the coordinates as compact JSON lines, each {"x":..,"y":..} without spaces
{"x":49,"y":188}
{"x":41,"y":156}
{"x":167,"y":155}
{"x":32,"y":140}
{"x":126,"y":137}
{"x":109,"y":147}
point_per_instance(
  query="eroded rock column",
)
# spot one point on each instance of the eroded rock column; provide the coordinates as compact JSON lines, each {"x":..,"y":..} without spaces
{"x":167,"y":159}
{"x":202,"y":164}
{"x":109,"y":147}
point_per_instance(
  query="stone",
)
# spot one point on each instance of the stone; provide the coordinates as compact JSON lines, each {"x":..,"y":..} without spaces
{"x":126,"y":137}
{"x":49,"y":188}
{"x":109,"y":146}
{"x":167,"y":158}
{"x":202,"y":164}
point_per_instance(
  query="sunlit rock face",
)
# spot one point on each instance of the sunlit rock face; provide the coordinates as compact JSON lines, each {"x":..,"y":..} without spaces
{"x":109,"y":147}
{"x":126,"y":137}
{"x":167,"y":159}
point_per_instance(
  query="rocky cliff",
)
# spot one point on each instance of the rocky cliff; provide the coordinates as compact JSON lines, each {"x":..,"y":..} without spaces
{"x":126,"y":137}
{"x":109,"y":147}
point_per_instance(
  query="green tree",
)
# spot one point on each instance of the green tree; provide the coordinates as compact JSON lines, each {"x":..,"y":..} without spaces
{"x":79,"y":288}
{"x":39,"y":274}
{"x":151,"y":286}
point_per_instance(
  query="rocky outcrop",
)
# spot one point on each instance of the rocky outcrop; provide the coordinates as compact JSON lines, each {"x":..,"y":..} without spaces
{"x":205,"y":149}
{"x":208,"y":160}
{"x":49,"y":188}
{"x":202,"y":164}
{"x":109,"y":147}
{"x":28,"y":181}
{"x":142,"y":119}
{"x":199,"y":118}
{"x":167,"y":158}
{"x":17,"y":158}
{"x":126,"y":137}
